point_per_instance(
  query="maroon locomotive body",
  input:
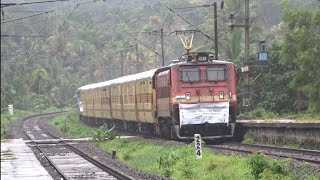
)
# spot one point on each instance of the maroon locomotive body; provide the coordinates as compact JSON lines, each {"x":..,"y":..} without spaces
{"x":197,"y":95}
{"x":194,"y":95}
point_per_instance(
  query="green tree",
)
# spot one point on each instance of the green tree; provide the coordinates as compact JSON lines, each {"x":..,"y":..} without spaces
{"x":271,"y":85}
{"x":40,"y":78}
{"x":301,"y":50}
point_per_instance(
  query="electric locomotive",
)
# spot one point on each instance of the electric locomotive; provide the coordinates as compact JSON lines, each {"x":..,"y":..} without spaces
{"x":197,"y":95}
{"x":194,"y":95}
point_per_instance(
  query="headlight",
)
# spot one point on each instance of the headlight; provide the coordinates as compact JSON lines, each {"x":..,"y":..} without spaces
{"x":221,"y":95}
{"x":188,"y":96}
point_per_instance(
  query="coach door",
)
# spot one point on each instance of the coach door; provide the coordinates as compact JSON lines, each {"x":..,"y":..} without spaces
{"x":163,"y":94}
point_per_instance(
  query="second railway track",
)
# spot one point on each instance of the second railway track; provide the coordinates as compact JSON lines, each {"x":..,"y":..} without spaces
{"x":69,"y":161}
{"x":306,"y":155}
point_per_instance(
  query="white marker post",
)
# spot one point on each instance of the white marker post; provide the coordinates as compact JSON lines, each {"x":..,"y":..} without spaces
{"x":197,"y":142}
{"x":10,"y":109}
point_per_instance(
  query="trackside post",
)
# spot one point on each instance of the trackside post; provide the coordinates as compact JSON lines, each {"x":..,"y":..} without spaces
{"x":197,"y":142}
{"x":10,"y":109}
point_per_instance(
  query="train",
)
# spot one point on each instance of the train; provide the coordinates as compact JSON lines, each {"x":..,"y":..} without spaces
{"x":195,"y":94}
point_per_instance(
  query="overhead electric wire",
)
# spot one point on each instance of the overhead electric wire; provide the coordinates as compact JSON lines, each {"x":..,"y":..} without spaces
{"x":12,"y":35}
{"x":178,"y":14}
{"x":21,"y":45}
{"x":26,"y":17}
{"x":32,"y":36}
{"x":189,"y":12}
{"x":22,"y":11}
{"x":189,"y":22}
{"x":3,"y":5}
{"x":117,"y":51}
{"x":190,"y":7}
{"x":79,"y":4}
{"x":144,"y":44}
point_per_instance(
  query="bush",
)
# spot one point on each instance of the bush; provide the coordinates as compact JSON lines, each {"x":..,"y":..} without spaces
{"x":104,"y":133}
{"x":258,"y":164}
{"x":262,"y":113}
{"x":72,"y":115}
{"x":127,"y":156}
{"x":249,"y":138}
{"x":168,"y":161}
{"x":64,"y":128}
{"x":264,"y":168}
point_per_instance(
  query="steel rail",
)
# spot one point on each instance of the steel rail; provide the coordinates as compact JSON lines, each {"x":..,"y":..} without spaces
{"x":301,"y":151}
{"x":37,"y":146}
{"x":213,"y":147}
{"x":109,"y":169}
{"x":37,"y":115}
{"x":47,"y":158}
{"x":104,"y":167}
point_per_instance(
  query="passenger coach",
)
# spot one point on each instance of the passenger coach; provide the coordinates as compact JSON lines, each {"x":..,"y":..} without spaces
{"x":195,"y":94}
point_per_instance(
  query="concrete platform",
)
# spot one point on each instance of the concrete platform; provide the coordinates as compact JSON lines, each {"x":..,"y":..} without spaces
{"x":19,"y":162}
{"x":283,"y":131}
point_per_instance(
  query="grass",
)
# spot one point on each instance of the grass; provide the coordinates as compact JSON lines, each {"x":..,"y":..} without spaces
{"x":74,"y":127}
{"x":177,"y":162}
{"x":180,"y":163}
{"x":249,"y":138}
{"x":7,"y":118}
{"x":260,"y":113}
{"x":304,"y":116}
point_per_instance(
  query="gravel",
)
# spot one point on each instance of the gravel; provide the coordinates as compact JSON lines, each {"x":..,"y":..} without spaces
{"x":88,"y":148}
{"x":93,"y":151}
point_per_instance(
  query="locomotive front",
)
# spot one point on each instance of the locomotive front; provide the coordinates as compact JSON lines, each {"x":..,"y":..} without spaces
{"x":203,"y":97}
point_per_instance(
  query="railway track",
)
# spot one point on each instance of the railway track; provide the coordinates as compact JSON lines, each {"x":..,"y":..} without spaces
{"x":306,"y":155}
{"x":69,"y":161}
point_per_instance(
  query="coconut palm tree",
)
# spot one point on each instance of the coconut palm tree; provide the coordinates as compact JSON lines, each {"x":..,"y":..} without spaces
{"x":40,"y":78}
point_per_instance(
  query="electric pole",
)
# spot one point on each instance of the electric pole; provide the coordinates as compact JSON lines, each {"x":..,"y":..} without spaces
{"x":245,"y":69}
{"x":155,"y":32}
{"x":247,"y":26}
{"x":129,"y":57}
{"x":215,"y":31}
{"x":246,"y":42}
{"x":121,"y":62}
{"x":162,"y":52}
{"x":137,"y":57}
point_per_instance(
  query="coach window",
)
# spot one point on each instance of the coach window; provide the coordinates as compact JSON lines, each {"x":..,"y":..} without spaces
{"x":190,"y":75}
{"x":216,"y":73}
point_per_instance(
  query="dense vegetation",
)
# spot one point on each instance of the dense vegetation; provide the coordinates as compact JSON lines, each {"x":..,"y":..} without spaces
{"x":81,"y":43}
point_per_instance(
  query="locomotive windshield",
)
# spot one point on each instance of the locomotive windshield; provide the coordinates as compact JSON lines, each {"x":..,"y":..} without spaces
{"x":216,"y":73}
{"x":190,"y":75}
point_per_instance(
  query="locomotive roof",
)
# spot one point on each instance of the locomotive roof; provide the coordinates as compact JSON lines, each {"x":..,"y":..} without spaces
{"x":221,"y":62}
{"x":210,"y":62}
{"x":143,"y":75}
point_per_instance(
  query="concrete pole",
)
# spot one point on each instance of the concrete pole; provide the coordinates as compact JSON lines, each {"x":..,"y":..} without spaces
{"x":215,"y":31}
{"x":247,"y":26}
{"x":137,"y":58}
{"x":162,"y":51}
{"x":246,"y":52}
{"x":121,"y":62}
